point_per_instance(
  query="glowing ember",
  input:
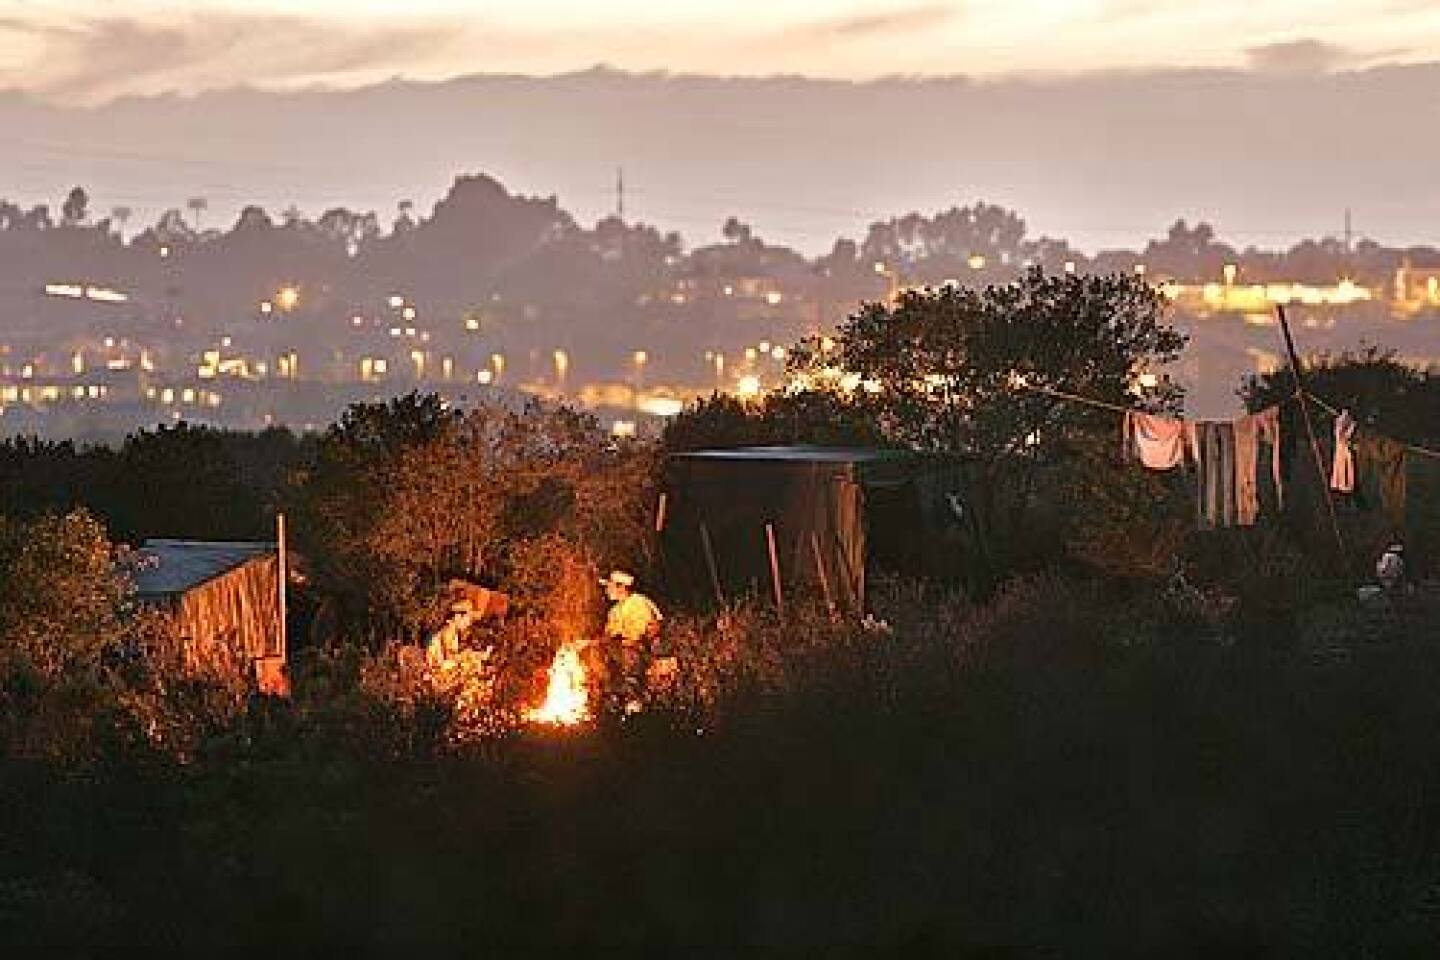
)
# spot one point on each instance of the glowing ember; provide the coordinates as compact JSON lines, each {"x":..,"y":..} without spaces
{"x":566,"y":699}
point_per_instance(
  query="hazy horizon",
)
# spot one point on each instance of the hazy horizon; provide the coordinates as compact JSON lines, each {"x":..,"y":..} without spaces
{"x":1105,"y":160}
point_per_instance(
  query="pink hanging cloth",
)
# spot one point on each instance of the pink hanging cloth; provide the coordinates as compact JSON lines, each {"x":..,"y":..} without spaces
{"x":1158,"y":442}
{"x":1342,"y":471}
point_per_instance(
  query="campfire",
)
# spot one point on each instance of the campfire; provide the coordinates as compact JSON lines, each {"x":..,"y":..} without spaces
{"x":566,"y":697}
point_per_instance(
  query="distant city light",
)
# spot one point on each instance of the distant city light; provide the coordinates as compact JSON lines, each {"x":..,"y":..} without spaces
{"x":485,"y":377}
{"x":408,"y":313}
{"x":748,"y":386}
{"x":774,"y":297}
{"x":660,"y":406}
{"x":622,"y":429}
{"x":396,"y":301}
{"x":287,"y":299}
{"x":976,"y":262}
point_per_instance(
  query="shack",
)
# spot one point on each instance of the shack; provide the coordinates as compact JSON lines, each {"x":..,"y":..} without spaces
{"x":225,"y":599}
{"x":817,"y":520}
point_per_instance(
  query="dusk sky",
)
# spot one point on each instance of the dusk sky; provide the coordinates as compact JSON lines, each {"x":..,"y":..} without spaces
{"x":86,"y":51}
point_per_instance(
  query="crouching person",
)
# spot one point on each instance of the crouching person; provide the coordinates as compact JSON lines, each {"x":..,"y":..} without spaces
{"x":444,"y":644}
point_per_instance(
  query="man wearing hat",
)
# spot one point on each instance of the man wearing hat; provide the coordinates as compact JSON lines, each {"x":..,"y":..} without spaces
{"x":631,"y":629}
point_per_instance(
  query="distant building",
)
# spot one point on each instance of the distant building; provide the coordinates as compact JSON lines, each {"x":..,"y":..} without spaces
{"x":1416,"y":289}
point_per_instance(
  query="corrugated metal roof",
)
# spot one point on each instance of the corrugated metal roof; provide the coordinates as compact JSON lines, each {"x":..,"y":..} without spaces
{"x":176,"y":566}
{"x":799,"y":454}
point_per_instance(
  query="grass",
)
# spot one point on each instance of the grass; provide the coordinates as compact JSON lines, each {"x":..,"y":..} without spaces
{"x":1058,"y":773}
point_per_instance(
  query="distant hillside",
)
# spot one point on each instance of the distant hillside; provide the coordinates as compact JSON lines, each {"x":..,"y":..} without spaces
{"x":1104,"y":160}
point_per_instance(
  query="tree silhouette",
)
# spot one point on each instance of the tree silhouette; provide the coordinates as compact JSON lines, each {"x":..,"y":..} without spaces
{"x":955,"y":370}
{"x":405,"y":216}
{"x":75,"y":210}
{"x":735,"y":231}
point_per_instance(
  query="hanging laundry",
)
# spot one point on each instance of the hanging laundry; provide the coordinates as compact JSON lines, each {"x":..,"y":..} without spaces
{"x":1250,"y":432}
{"x":1342,"y":471}
{"x":1213,"y":446}
{"x":1157,"y":442}
{"x":1382,"y":462}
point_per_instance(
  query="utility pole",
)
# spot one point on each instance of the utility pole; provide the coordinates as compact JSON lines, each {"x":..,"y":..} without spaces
{"x":1349,"y":233}
{"x":620,"y":193}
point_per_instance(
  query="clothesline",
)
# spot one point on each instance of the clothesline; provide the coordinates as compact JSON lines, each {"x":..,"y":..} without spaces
{"x":1062,"y":395}
{"x":1117,"y":408}
{"x":1409,"y":447}
{"x":1100,"y":404}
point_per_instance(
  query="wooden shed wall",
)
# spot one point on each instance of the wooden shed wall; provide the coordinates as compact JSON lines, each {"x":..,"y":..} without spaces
{"x":238,"y":611}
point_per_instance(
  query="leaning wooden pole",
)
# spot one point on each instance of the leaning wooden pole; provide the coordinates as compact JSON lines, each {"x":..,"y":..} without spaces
{"x":1300,"y":396}
{"x":775,"y":569}
{"x":820,"y":570}
{"x":711,"y":565}
{"x":282,"y":575}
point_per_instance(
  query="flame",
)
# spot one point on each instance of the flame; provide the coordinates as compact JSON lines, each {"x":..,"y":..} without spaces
{"x":566,"y":698}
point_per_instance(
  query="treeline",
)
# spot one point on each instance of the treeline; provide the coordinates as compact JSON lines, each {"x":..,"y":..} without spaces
{"x":413,"y":492}
{"x":489,"y":267}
